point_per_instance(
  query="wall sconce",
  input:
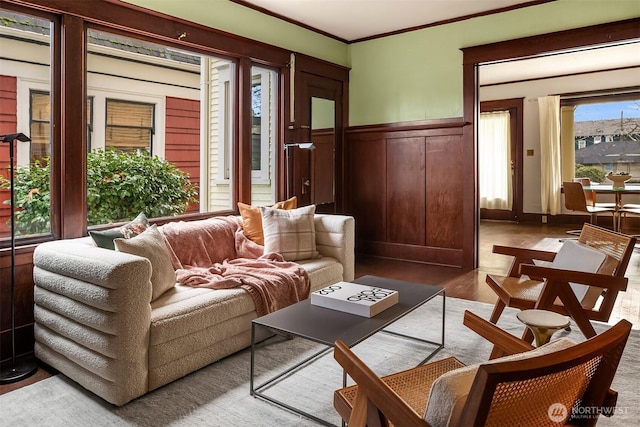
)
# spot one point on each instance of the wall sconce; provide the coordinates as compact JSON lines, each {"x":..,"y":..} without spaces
{"x":301,"y":145}
{"x":16,"y":371}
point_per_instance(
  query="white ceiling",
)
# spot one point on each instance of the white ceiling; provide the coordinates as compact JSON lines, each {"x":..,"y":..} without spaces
{"x":356,"y":19}
{"x":593,"y":59}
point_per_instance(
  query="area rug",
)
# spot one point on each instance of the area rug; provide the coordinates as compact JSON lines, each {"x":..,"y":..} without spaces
{"x":218,"y":395}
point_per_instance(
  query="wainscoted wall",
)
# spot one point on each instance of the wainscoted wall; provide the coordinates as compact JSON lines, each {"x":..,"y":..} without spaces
{"x":405,"y":184}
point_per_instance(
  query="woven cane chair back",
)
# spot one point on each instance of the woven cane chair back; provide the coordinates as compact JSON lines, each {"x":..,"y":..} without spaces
{"x":566,"y":386}
{"x":617,"y":246}
{"x":541,"y":390}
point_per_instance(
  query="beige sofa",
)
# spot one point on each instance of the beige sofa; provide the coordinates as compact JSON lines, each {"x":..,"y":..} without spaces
{"x":95,"y":321}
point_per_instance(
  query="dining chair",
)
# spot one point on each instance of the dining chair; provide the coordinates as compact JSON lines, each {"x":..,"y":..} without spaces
{"x":554,"y":287}
{"x":519,"y":389}
{"x":590,"y":195}
{"x":575,"y":200}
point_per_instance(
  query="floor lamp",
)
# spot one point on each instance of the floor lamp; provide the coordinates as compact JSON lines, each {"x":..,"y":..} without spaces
{"x":287,"y":147}
{"x":17,"y":370}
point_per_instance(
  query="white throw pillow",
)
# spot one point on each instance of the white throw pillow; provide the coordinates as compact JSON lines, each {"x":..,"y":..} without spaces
{"x":577,"y":256}
{"x":290,"y":233}
{"x":150,"y":244}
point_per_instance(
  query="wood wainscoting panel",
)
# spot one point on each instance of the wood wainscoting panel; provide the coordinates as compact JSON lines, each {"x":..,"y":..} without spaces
{"x":367,"y":182}
{"x":405,"y":187}
{"x":405,"y":192}
{"x":445,"y":181}
{"x":23,"y":302}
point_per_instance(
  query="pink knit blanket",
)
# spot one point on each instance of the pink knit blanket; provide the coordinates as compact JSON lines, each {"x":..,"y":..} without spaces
{"x":214,"y":253}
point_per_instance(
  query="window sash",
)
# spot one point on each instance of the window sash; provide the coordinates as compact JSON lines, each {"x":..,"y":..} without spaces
{"x":129,"y":125}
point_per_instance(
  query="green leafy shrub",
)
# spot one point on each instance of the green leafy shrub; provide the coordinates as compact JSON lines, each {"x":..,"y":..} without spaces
{"x":594,"y":173}
{"x":33,"y":200}
{"x":119,"y":186}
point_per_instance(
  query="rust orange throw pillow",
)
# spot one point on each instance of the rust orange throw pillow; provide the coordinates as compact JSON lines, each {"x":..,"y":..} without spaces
{"x":252,"y":218}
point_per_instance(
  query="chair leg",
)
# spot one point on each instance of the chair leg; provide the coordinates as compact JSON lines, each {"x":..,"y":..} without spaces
{"x":497,"y":311}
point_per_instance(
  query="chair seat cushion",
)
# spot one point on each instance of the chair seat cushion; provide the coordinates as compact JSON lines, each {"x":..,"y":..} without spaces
{"x":449,"y":392}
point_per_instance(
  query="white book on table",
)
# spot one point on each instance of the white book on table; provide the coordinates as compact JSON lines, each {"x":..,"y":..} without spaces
{"x":362,"y":300}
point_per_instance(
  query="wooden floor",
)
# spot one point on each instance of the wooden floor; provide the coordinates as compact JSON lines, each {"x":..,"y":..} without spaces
{"x":471,"y":284}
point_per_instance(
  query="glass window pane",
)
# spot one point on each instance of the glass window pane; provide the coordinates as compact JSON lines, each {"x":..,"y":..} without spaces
{"x":162,"y":136}
{"x":606,"y":136}
{"x":263,"y":135}
{"x":25,"y":43}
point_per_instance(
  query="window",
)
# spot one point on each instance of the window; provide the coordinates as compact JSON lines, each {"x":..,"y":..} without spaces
{"x":129,"y":125}
{"x":263,"y":135}
{"x":178,"y":102}
{"x":178,"y":107}
{"x":605,"y":137}
{"x":25,"y":85}
{"x":40,"y":125}
{"x":222,"y":107}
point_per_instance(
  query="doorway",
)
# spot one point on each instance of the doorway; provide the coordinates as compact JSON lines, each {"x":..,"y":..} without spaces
{"x":513,"y":166}
{"x":320,"y":111}
{"x":534,"y":46}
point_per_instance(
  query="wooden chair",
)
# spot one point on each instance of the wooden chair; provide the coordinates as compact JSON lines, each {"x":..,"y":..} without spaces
{"x":498,"y":392}
{"x":529,"y":286}
{"x":590,"y":195}
{"x":575,"y":200}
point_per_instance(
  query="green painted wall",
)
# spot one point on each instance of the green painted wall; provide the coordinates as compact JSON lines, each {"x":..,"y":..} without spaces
{"x":233,"y":18}
{"x":410,"y":76}
{"x":418,"y":75}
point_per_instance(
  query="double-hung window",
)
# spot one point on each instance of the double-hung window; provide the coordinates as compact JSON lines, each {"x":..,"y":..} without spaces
{"x":129,"y":125}
{"x":263,"y":134}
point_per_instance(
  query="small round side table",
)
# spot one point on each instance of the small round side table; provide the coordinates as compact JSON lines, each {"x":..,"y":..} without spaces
{"x":543,"y":323}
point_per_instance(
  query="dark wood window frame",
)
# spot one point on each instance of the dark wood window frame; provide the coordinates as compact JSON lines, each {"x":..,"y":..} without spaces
{"x":69,"y":140}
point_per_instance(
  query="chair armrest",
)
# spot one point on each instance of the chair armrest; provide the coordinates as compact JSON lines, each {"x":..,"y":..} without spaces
{"x":523,"y":256}
{"x":501,"y":339}
{"x":375,"y":399}
{"x":604,"y":281}
{"x":524,"y":252}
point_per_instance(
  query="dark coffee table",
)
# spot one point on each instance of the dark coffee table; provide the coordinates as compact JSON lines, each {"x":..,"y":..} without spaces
{"x":325,"y":326}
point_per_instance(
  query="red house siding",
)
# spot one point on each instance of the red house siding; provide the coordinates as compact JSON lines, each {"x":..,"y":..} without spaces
{"x":8,"y":124}
{"x":182,"y":145}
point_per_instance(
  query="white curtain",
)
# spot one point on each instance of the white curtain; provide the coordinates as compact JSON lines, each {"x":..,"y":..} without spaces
{"x":550,"y":159}
{"x":494,"y":161}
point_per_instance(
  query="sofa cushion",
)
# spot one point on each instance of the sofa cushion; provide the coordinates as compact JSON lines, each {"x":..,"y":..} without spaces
{"x":322,"y":271}
{"x":105,"y":238}
{"x":150,"y":245}
{"x":290,"y":233}
{"x":252,"y":218}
